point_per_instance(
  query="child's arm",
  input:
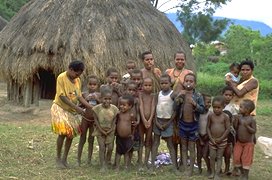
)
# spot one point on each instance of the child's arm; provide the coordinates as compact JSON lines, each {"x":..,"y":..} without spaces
{"x":137,"y":114}
{"x":112,"y":126}
{"x":227,"y":126}
{"x":78,"y":109}
{"x":160,"y":126}
{"x":142,"y":110}
{"x":235,"y":122}
{"x":209,"y":129}
{"x":98,"y":124}
{"x":152,"y":114}
{"x":252,"y":127}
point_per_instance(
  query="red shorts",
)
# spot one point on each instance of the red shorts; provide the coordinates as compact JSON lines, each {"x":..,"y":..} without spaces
{"x":243,"y":154}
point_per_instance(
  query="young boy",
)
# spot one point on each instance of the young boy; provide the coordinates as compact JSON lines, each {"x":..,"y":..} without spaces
{"x":203,"y":141}
{"x":150,"y":71}
{"x":188,"y":106}
{"x":87,"y":123}
{"x":164,"y":120}
{"x":147,"y":112}
{"x":136,"y":76}
{"x":112,"y":77}
{"x":105,"y":119}
{"x":245,"y":126}
{"x":130,"y":66}
{"x":231,"y":110}
{"x":218,"y":128}
{"x":125,"y":132}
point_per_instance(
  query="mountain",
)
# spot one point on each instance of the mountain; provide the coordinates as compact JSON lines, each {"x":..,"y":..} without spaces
{"x":254,"y":25}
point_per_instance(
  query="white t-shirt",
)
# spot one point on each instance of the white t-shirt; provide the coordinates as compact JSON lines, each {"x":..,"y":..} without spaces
{"x":164,"y":107}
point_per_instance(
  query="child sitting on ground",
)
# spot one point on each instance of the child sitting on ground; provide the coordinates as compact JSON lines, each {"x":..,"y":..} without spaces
{"x":163,"y":127}
{"x":189,"y":104}
{"x":218,"y":128}
{"x":105,"y":119}
{"x":233,"y":75}
{"x":87,"y":122}
{"x":124,"y":130}
{"x":245,"y":126}
{"x":203,"y":141}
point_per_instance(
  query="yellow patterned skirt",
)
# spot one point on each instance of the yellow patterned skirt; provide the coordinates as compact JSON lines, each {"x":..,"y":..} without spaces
{"x":64,"y":122}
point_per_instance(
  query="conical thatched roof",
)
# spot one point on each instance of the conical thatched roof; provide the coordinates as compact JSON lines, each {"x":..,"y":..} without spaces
{"x":48,"y":34}
{"x":3,"y":23}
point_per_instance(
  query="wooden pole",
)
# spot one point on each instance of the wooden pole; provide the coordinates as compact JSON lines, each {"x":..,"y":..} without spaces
{"x":28,"y":93}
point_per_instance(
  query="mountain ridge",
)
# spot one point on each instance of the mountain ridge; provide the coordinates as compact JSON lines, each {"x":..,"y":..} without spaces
{"x":254,"y":25}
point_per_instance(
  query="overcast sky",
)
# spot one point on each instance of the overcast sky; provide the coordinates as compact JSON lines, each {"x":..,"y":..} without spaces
{"x":258,"y":10}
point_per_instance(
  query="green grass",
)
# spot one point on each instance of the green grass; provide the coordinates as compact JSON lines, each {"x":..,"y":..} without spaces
{"x":17,"y":161}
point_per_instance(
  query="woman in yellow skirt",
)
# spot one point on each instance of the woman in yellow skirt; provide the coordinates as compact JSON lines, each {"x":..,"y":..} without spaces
{"x":65,"y":111}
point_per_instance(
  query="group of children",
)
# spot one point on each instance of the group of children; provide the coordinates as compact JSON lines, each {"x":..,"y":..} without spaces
{"x":131,"y":113}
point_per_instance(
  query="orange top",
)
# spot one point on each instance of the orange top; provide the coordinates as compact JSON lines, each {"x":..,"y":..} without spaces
{"x":175,"y":79}
{"x":252,"y":95}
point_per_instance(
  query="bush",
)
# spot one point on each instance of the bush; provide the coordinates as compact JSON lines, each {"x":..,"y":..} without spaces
{"x":210,"y":84}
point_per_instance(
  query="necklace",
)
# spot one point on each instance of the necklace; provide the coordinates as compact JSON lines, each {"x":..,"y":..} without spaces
{"x":177,"y":75}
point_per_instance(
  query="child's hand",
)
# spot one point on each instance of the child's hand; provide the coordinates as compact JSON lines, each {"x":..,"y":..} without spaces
{"x":131,"y":137}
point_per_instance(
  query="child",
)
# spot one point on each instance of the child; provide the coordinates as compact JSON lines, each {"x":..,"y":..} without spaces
{"x":188,"y":106}
{"x":112,"y":77}
{"x":125,"y":132}
{"x":231,"y":110}
{"x":130,"y":65}
{"x":150,"y":71}
{"x":233,"y":75}
{"x":147,"y":112}
{"x":203,"y":141}
{"x":218,"y":128}
{"x":105,"y":119}
{"x":87,"y":122}
{"x":245,"y":126}
{"x":136,"y":76}
{"x":64,"y":110}
{"x":164,"y":120}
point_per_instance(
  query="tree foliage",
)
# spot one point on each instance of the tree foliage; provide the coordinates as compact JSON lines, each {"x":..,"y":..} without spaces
{"x":197,"y":20}
{"x":10,"y":7}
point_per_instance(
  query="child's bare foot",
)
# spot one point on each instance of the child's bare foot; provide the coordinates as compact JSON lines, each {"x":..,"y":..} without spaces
{"x":216,"y":177}
{"x":211,"y":176}
{"x":59,"y":164}
{"x":103,"y":169}
{"x":190,"y":173}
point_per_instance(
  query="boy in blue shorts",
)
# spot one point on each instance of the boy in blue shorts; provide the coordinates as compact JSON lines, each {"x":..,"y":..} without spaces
{"x":189,"y":104}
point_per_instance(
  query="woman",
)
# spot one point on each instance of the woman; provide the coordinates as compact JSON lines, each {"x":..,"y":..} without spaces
{"x":248,"y":87}
{"x":178,"y":73}
{"x":65,"y":109}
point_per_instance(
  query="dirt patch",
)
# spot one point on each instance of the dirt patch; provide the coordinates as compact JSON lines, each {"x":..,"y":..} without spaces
{"x":11,"y":112}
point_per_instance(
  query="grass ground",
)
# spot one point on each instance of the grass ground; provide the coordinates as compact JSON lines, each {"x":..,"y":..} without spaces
{"x":20,"y":129}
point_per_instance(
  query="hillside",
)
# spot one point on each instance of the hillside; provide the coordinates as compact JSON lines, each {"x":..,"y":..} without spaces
{"x":254,"y":25}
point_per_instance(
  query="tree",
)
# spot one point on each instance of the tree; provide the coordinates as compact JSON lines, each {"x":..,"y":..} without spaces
{"x":11,"y":7}
{"x":197,"y":20}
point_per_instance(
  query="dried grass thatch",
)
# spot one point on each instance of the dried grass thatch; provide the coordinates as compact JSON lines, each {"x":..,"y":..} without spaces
{"x":48,"y":34}
{"x":3,"y":23}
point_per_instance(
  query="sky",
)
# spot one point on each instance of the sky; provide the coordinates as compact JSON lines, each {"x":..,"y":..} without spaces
{"x":257,"y":10}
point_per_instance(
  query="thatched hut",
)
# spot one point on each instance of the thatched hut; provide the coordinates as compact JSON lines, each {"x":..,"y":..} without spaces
{"x":3,"y":23}
{"x":43,"y":38}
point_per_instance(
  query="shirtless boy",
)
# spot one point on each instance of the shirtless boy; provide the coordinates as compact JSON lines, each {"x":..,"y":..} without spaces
{"x":218,"y":128}
{"x":188,"y":106}
{"x":245,"y":126}
{"x":203,"y":141}
{"x":124,"y":136}
{"x":147,"y":112}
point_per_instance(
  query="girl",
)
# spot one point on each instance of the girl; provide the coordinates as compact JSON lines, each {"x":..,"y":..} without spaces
{"x":87,"y":123}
